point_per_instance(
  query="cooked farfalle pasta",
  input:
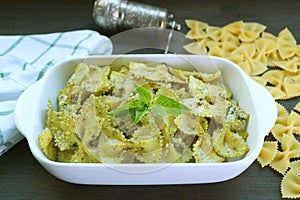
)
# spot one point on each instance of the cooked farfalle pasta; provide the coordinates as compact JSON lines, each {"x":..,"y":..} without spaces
{"x":82,"y":130}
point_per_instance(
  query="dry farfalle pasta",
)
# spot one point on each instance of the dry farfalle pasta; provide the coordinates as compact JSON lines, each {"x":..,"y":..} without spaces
{"x":297,"y":107}
{"x":279,"y":154}
{"x":290,"y":185}
{"x":255,"y":51}
{"x":290,"y":149}
{"x":274,"y":62}
{"x":267,"y":153}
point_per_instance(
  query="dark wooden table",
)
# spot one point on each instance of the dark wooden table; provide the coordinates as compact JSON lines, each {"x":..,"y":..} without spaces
{"x":21,"y":177}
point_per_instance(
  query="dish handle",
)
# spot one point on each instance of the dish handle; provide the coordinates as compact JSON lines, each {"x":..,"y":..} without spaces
{"x":24,"y":109}
{"x":266,"y":109}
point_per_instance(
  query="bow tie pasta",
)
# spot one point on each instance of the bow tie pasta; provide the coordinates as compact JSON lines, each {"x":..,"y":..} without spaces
{"x":184,"y":116}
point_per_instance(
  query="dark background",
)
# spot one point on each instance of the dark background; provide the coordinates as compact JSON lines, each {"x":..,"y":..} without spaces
{"x":21,"y":177}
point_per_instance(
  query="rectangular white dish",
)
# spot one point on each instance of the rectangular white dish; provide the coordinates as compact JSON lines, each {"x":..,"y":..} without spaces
{"x":31,"y":108}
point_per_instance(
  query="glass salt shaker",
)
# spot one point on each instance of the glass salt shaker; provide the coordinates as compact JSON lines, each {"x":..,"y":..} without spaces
{"x":113,"y":16}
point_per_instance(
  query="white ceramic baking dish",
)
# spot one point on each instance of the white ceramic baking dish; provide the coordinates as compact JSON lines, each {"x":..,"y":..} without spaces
{"x":31,"y":108}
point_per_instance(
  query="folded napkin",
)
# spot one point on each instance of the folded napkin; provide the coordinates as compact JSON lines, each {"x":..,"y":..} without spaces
{"x":25,"y":58}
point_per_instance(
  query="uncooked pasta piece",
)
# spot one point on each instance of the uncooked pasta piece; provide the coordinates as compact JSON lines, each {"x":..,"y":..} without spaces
{"x":190,"y":23}
{"x":277,"y":93}
{"x":251,"y":63}
{"x":196,"y":48}
{"x":293,"y":121}
{"x":291,"y":149}
{"x":297,"y":107}
{"x":245,"y":49}
{"x":291,"y":87}
{"x":274,"y":77}
{"x":281,"y":162}
{"x":294,"y":76}
{"x":228,"y":48}
{"x":291,"y":145}
{"x":289,"y":127}
{"x":214,"y":32}
{"x":268,"y":153}
{"x":248,"y":33}
{"x":226,"y":36}
{"x":254,"y":27}
{"x":234,"y":27}
{"x":265,"y":46}
{"x":295,"y":167}
{"x":235,"y":58}
{"x":273,"y":57}
{"x":260,"y":80}
{"x":269,"y":36}
{"x":196,"y":33}
{"x":290,"y":187}
{"x":196,"y":29}
{"x":278,"y":130}
{"x":282,"y":85}
{"x":254,"y":66}
{"x":291,"y":65}
{"x":287,"y":52}
{"x":286,"y":38}
{"x":282,"y":114}
{"x":215,"y":49}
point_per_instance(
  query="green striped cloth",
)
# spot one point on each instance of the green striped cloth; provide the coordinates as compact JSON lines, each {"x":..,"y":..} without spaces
{"x":25,"y":58}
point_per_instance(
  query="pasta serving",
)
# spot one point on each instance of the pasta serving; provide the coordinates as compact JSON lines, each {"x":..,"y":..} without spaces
{"x":183,"y":116}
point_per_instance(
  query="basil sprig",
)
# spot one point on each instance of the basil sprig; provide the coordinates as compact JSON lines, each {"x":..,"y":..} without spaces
{"x":138,"y":108}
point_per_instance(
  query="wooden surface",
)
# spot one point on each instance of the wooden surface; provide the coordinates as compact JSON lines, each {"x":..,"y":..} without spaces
{"x":21,"y":176}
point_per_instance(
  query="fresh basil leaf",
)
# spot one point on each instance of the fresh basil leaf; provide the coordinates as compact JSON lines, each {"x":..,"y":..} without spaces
{"x":127,"y":109}
{"x":166,"y":106}
{"x":144,"y":95}
{"x":138,"y":108}
{"x":139,"y":114}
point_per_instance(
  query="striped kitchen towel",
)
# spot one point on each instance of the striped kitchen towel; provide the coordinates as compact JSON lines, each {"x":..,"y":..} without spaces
{"x":25,"y":58}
